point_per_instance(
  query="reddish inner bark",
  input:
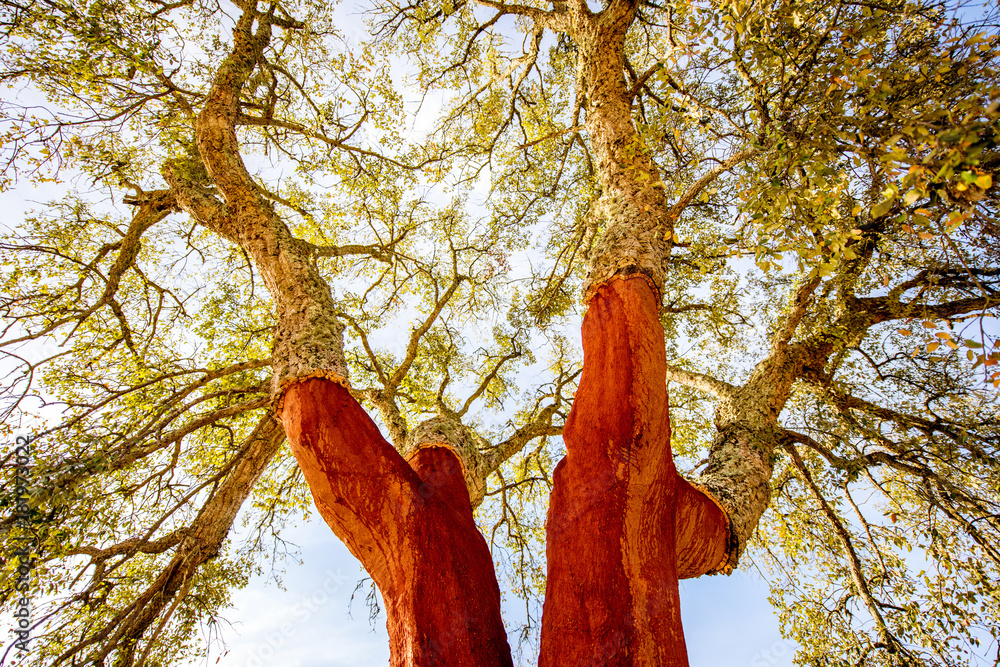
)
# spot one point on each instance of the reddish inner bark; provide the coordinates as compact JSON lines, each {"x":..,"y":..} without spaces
{"x":410,"y":525}
{"x":622,"y":525}
{"x":702,"y":533}
{"x":622,"y":528}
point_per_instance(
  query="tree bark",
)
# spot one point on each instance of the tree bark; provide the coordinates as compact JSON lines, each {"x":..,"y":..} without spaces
{"x":309,"y":337}
{"x":638,"y":230}
{"x":409,"y":523}
{"x":622,"y":522}
{"x":623,"y":526}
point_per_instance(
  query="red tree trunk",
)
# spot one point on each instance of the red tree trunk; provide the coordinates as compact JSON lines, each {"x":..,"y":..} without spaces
{"x":622,"y":527}
{"x":410,"y":525}
{"x":622,"y":524}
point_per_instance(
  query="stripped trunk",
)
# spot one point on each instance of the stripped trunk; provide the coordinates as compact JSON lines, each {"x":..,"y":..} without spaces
{"x":409,"y":523}
{"x":623,"y":525}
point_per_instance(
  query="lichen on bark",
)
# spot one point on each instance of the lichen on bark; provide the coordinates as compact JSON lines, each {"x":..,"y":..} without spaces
{"x":449,"y":432}
{"x":308,"y":340}
{"x":633,"y":207}
{"x":738,"y":478}
{"x":630,"y":245}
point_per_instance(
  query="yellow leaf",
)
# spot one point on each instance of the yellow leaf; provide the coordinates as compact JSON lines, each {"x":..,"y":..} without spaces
{"x":925,"y":235}
{"x":984,"y":181}
{"x":906,"y":332}
{"x":933,"y":346}
{"x":880,"y":209}
{"x":928,"y":324}
{"x":943,"y":334}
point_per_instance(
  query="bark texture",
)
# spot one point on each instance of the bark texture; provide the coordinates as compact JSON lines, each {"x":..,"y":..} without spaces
{"x":618,"y":505}
{"x":738,"y":476}
{"x":309,"y":338}
{"x":623,"y":525}
{"x":741,"y":458}
{"x":448,"y":432}
{"x":633,"y":204}
{"x":704,"y":532}
{"x":410,"y":525}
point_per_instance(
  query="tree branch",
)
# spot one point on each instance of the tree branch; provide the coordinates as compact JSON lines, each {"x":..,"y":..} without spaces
{"x":701,"y":382}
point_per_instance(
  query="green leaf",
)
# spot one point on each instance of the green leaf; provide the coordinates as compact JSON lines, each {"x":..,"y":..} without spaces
{"x":881,"y":209}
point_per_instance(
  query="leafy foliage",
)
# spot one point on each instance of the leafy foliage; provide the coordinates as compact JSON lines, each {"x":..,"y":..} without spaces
{"x":832,"y":284}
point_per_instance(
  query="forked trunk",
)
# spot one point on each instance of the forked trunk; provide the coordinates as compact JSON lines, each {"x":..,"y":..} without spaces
{"x":409,"y":523}
{"x":622,"y":525}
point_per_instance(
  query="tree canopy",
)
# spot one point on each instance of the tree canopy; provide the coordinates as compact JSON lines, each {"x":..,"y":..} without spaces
{"x":808,"y":186}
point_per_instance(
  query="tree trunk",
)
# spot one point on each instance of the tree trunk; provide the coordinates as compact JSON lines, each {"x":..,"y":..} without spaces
{"x":410,"y":525}
{"x":638,"y":230}
{"x":623,"y":526}
{"x":618,"y":505}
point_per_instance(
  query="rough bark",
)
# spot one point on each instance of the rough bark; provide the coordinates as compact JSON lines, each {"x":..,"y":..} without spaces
{"x":447,"y":431}
{"x":409,"y":523}
{"x":309,"y":337}
{"x":738,"y":476}
{"x":618,"y":505}
{"x":623,"y":525}
{"x":633,"y":204}
{"x":741,"y":457}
